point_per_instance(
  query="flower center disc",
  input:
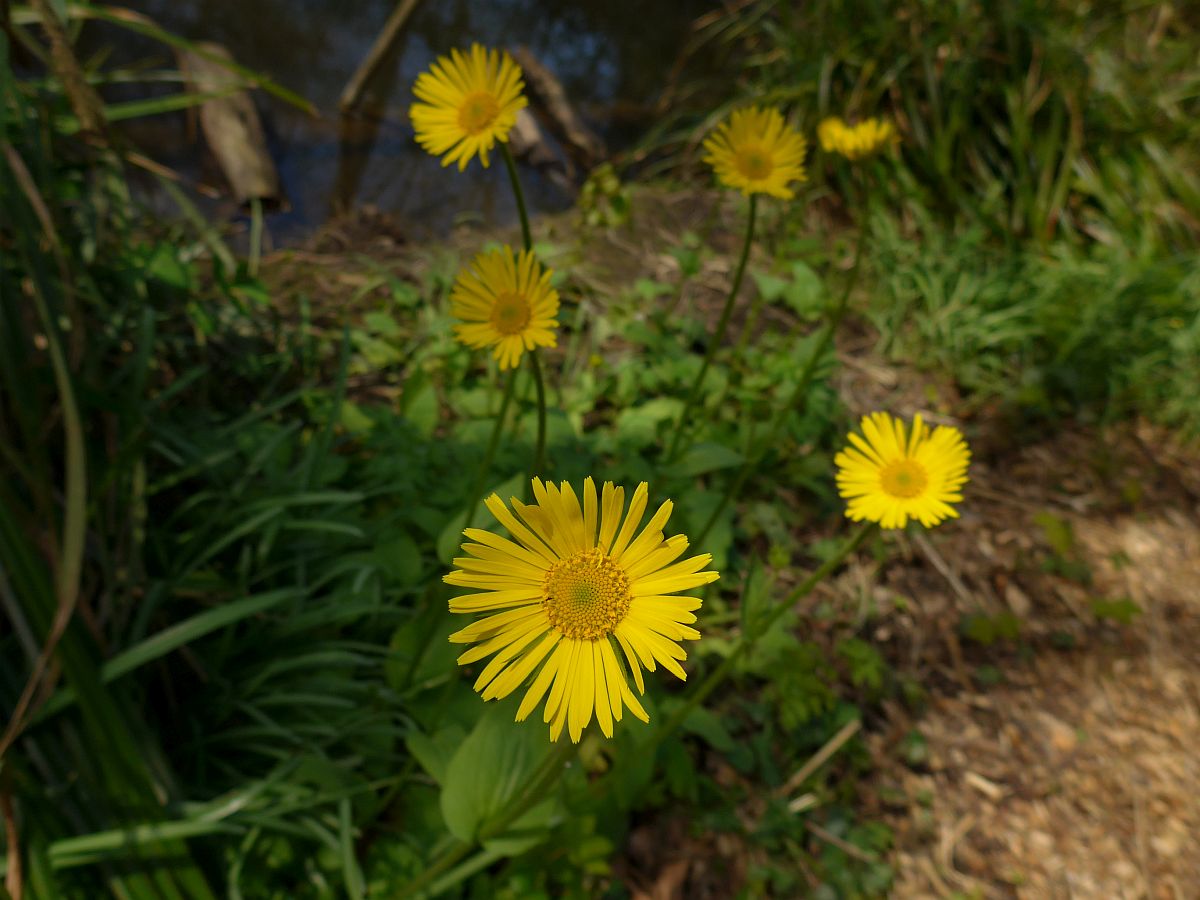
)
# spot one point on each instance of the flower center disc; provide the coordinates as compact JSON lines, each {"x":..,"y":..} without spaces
{"x":510,"y":313}
{"x":478,"y":111}
{"x":754,"y":163}
{"x":904,"y":478}
{"x":586,"y":595}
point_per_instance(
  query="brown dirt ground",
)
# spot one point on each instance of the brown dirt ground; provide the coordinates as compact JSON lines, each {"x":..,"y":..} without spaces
{"x":1075,"y":772}
{"x":1077,"y":775}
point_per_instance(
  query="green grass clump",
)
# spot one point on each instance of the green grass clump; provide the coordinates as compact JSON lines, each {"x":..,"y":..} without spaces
{"x":1073,"y":333}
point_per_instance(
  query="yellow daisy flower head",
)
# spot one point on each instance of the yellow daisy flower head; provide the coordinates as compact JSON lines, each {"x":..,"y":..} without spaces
{"x":856,"y":141}
{"x":889,"y":476}
{"x":468,"y":102}
{"x":756,"y":152}
{"x":505,"y":301}
{"x":581,"y":598}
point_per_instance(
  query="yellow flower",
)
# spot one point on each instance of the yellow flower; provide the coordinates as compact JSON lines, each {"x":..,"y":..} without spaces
{"x":580,"y":596}
{"x":856,"y":141}
{"x":890,"y":477}
{"x":470,"y":101}
{"x":506,"y":302}
{"x":755,"y":151}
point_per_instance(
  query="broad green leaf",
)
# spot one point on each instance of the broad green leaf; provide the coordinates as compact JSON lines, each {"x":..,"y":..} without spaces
{"x":434,"y":751}
{"x":707,"y":724}
{"x":382,"y":324}
{"x":400,"y":558}
{"x":638,"y":425}
{"x":489,"y":769}
{"x":420,"y":404}
{"x":806,"y":294}
{"x":771,"y":287}
{"x":706,"y":457}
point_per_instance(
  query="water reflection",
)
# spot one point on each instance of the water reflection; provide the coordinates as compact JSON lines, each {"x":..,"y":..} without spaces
{"x":605,"y":52}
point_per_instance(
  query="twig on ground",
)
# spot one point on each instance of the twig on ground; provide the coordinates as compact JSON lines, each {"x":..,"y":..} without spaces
{"x":819,"y":758}
{"x":845,"y":846}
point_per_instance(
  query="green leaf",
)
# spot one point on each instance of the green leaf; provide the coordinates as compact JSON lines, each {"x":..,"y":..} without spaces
{"x":648,"y":289}
{"x":488,"y":770}
{"x":165,"y":265}
{"x":451,"y":537}
{"x":382,"y":324}
{"x":420,"y":404}
{"x":400,"y":559}
{"x":755,"y":600}
{"x":638,"y":425}
{"x":434,"y":751}
{"x":1120,"y":609}
{"x":1058,"y":532}
{"x":354,"y":420}
{"x":806,"y":294}
{"x":707,"y":724}
{"x":771,"y":287}
{"x":706,"y":457}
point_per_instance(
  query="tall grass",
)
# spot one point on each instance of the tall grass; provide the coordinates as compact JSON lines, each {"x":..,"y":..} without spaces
{"x":197,"y":615}
{"x":1035,"y":120}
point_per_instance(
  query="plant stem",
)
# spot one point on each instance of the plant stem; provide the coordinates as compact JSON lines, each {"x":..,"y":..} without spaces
{"x":539,"y":453}
{"x":718,"y":335}
{"x":746,"y":641}
{"x":535,"y":789}
{"x":796,"y":400}
{"x":526,"y":237}
{"x":476,"y":494}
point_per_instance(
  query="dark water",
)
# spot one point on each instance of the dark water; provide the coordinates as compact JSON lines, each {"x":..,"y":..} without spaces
{"x":610,"y":55}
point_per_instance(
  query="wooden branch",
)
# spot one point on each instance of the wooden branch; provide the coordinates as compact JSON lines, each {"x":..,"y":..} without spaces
{"x":584,"y":146}
{"x":353,"y":91}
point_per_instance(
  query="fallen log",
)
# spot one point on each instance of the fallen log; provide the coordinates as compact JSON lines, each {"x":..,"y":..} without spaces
{"x":580,"y":142}
{"x":529,"y":145}
{"x":231,"y":126}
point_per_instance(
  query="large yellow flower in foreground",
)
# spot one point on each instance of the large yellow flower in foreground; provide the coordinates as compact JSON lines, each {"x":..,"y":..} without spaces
{"x":468,"y":102}
{"x":505,"y":302}
{"x":856,"y":141}
{"x":579,"y":595}
{"x":890,"y":476}
{"x":755,"y":151}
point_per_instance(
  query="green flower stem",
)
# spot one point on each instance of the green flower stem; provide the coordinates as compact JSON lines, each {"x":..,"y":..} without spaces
{"x":539,"y":453}
{"x":544,"y":778}
{"x":476,"y":494}
{"x":694,"y":393}
{"x":519,"y":194}
{"x":746,"y":642}
{"x":799,"y":393}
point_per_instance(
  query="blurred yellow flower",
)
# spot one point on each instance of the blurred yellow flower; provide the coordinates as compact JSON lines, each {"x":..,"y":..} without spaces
{"x":576,"y":589}
{"x":891,"y":477}
{"x":856,"y":141}
{"x":755,"y":151}
{"x":505,"y":301}
{"x":468,"y":102}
